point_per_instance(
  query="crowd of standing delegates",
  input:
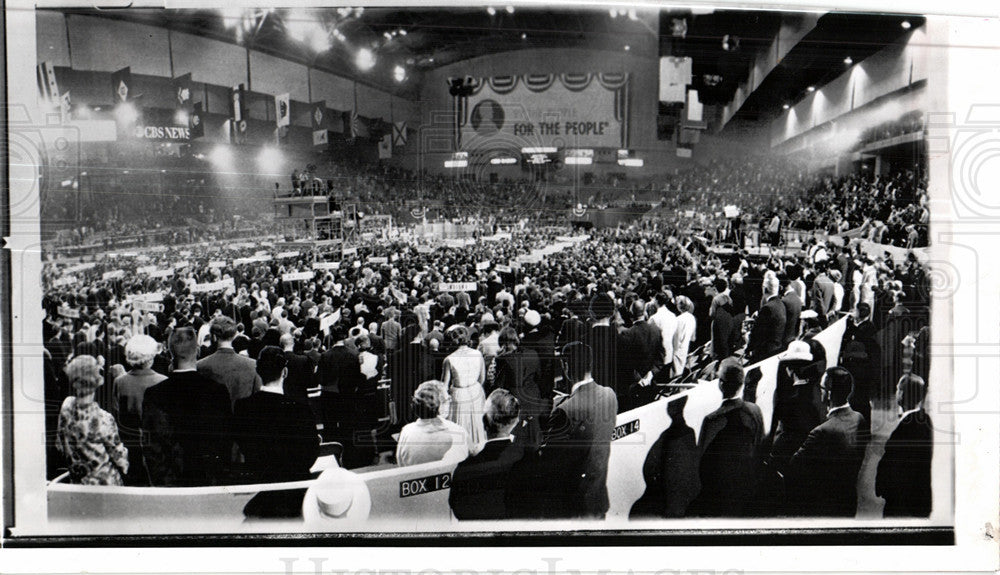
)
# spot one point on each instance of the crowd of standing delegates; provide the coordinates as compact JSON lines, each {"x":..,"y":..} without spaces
{"x":611,"y":315}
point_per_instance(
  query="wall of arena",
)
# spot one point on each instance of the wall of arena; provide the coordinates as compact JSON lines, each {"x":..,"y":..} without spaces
{"x":883,"y":87}
{"x":84,"y":58}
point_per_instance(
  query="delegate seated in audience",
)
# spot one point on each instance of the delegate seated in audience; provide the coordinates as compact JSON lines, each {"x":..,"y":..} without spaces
{"x":479,"y":484}
{"x":87,"y":435}
{"x":130,"y":389}
{"x":227,"y":367}
{"x":186,"y":422}
{"x":431,"y":437}
{"x":904,"y":472}
{"x":671,"y":470}
{"x":822,"y":476}
{"x":730,"y":441}
{"x":276,"y":433}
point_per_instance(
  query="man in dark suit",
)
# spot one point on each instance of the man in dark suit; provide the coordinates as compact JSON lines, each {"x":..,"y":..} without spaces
{"x":479,"y":484}
{"x":793,"y":308}
{"x":640,"y":357}
{"x":769,"y":328}
{"x":276,"y":433}
{"x":822,"y":476}
{"x":904,"y":472}
{"x":542,"y":341}
{"x":603,"y":339}
{"x":567,"y":476}
{"x":186,"y":422}
{"x":727,"y":331}
{"x":339,"y":375}
{"x":821,"y":295}
{"x":301,"y":371}
{"x":227,"y":367}
{"x":730,"y":439}
{"x":517,"y":372}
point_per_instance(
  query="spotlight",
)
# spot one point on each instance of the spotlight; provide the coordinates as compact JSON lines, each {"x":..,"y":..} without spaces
{"x":510,"y":9}
{"x":320,"y":42}
{"x":269,"y":158}
{"x":613,"y":13}
{"x":221,"y":156}
{"x":402,"y":32}
{"x":848,"y":60}
{"x":811,"y":88}
{"x":126,"y":113}
{"x":491,"y":11}
{"x":632,"y":15}
{"x":905,"y":24}
{"x":365,"y":59}
{"x":399,"y":73}
{"x":524,"y":36}
{"x":785,"y":107}
{"x":627,"y":47}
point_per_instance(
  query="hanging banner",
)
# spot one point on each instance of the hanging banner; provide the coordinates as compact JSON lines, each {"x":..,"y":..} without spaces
{"x":573,"y":110}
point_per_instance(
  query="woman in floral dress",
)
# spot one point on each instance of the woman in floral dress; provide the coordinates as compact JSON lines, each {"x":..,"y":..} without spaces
{"x":87,"y":435}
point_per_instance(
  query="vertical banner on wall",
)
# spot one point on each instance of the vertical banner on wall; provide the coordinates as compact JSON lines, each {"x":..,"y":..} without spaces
{"x":385,"y":147}
{"x":238,"y":114}
{"x":196,"y":123}
{"x":121,"y":86}
{"x":282,"y":110}
{"x":399,"y":134}
{"x":182,"y":92}
{"x":48,"y":88}
{"x":317,"y":116}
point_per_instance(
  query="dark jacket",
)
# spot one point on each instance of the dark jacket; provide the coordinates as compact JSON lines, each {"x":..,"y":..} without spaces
{"x":904,"y":473}
{"x":518,"y":373}
{"x":727,"y":332}
{"x":301,"y":376}
{"x":339,"y":370}
{"x":236,"y":372}
{"x":567,"y":476}
{"x":187,"y":431}
{"x":543,"y":342}
{"x":479,"y":484}
{"x":768,"y":331}
{"x":823,"y":474}
{"x":277,"y":436}
{"x":793,"y":309}
{"x":730,"y":439}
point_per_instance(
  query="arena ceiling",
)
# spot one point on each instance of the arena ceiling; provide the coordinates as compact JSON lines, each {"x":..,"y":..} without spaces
{"x":419,"y":39}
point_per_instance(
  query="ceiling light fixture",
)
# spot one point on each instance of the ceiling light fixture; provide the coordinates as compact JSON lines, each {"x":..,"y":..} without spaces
{"x":491,"y":11}
{"x":811,"y":88}
{"x":510,"y":9}
{"x":785,"y":107}
{"x":905,"y":24}
{"x":365,"y":59}
{"x":848,"y":60}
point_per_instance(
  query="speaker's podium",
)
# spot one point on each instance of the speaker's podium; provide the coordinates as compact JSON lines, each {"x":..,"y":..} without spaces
{"x":316,"y":220}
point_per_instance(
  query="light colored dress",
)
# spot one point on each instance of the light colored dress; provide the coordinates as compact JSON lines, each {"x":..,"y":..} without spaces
{"x":464,"y":374}
{"x":435,"y":439}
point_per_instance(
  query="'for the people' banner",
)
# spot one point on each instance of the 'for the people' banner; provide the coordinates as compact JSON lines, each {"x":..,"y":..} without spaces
{"x":547,"y":110}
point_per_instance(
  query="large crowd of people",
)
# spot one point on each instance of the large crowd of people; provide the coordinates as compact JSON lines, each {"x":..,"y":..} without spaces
{"x":209,"y":366}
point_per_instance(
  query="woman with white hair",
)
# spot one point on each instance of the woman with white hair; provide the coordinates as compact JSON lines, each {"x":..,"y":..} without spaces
{"x":126,"y":406}
{"x":87,"y":435}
